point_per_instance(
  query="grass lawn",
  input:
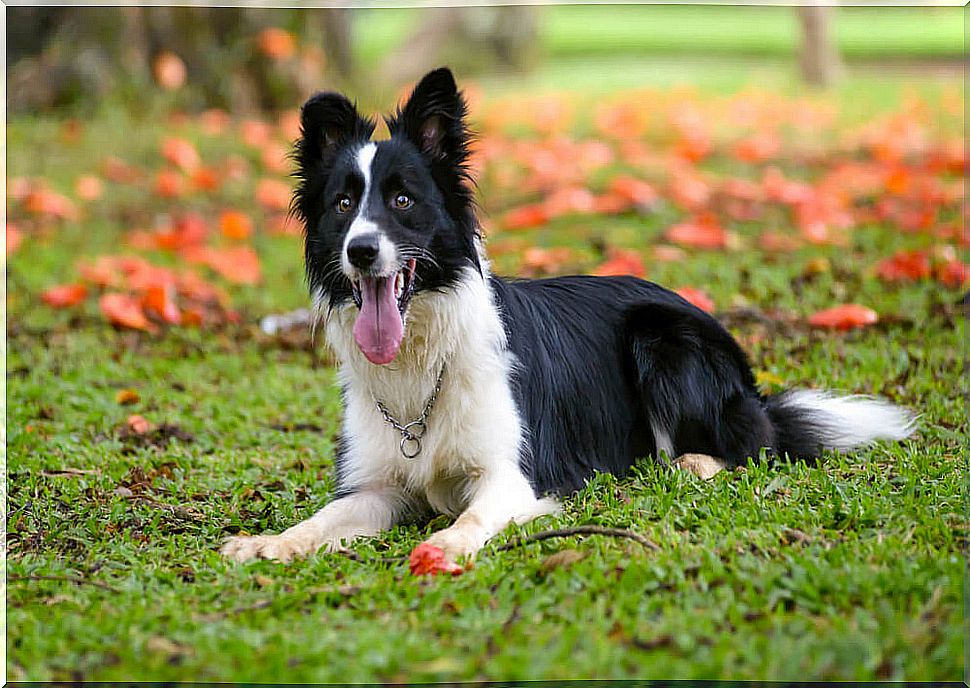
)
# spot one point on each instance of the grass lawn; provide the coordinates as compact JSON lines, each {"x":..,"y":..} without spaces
{"x":850,"y":570}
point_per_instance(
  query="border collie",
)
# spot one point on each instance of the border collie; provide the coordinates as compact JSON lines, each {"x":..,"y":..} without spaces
{"x":485,"y":398}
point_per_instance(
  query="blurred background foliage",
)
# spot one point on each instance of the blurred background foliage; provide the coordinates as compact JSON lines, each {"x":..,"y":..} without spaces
{"x":247,"y":59}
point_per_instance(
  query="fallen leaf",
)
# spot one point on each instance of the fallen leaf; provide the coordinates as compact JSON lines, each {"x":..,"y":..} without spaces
{"x":276,"y":43}
{"x":126,"y":397}
{"x":64,"y":295}
{"x":561,"y":559}
{"x":953,"y":274}
{"x":844,"y":317}
{"x":427,"y":559}
{"x":139,"y":425}
{"x":700,"y":232}
{"x":160,"y":299}
{"x":525,"y":217}
{"x":124,"y":311}
{"x":273,"y":194}
{"x":181,"y":153}
{"x":88,"y":187}
{"x":904,"y":266}
{"x":169,"y":71}
{"x":15,"y":238}
{"x":169,"y":184}
{"x":235,"y":224}
{"x":697,"y":297}
{"x":621,"y":262}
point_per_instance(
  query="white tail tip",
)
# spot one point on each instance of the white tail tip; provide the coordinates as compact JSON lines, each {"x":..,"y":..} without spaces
{"x":847,"y":422}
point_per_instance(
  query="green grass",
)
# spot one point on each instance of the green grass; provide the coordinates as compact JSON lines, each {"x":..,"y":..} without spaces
{"x":849,"y":570}
{"x":574,"y":31}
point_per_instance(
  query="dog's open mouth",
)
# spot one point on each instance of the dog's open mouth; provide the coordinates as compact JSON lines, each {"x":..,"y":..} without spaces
{"x":382,"y":302}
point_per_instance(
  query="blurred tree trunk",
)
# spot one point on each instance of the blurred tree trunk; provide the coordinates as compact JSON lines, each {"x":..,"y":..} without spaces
{"x":68,"y":56}
{"x":468,"y":39}
{"x":820,"y":64}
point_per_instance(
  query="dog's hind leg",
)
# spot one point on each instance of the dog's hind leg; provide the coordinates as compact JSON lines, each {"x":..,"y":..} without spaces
{"x":500,"y":496}
{"x":361,"y":513}
{"x":698,"y":394}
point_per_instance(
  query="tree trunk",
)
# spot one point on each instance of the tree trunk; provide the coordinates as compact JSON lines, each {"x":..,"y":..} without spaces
{"x":819,"y":58}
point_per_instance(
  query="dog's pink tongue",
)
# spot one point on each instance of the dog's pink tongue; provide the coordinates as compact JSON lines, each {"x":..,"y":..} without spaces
{"x":379,"y":329}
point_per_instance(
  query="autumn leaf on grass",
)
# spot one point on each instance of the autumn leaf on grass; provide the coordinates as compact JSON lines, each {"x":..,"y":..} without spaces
{"x":276,"y":43}
{"x":15,"y":237}
{"x":621,"y":262}
{"x":235,"y":224}
{"x":64,"y":295}
{"x":636,"y":191}
{"x":169,"y":71}
{"x":697,"y":297}
{"x":124,"y":311}
{"x":526,"y":216}
{"x":88,"y":187}
{"x":239,"y":265}
{"x":427,"y":559}
{"x":845,"y":317}
{"x":953,"y":274}
{"x":702,"y":231}
{"x":545,"y":261}
{"x":181,"y":153}
{"x":47,"y":203}
{"x":138,"y":425}
{"x":904,"y":266}
{"x":160,"y":300}
{"x":169,"y":184}
{"x":273,"y":194}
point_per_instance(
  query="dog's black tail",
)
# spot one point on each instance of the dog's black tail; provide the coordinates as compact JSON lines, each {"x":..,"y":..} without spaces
{"x":807,"y":421}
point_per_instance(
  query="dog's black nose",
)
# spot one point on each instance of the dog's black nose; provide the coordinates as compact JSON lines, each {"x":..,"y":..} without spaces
{"x":362,"y":250}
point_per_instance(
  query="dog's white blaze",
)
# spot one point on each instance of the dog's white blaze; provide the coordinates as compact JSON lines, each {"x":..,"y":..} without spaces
{"x":847,"y":422}
{"x":665,"y":445}
{"x":387,"y":251}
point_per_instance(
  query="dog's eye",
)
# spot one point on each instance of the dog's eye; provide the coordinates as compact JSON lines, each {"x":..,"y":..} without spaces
{"x":403,"y":201}
{"x":343,"y":203}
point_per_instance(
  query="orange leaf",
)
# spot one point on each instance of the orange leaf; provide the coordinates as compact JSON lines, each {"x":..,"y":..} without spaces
{"x":15,"y":237}
{"x":88,"y":187}
{"x":205,"y":179}
{"x":697,"y":297}
{"x":276,"y":44}
{"x":636,"y":191}
{"x":169,"y":184}
{"x":844,"y":317}
{"x":64,"y":295}
{"x":701,"y":232}
{"x":953,"y":274}
{"x":526,"y":216}
{"x":273,"y":194}
{"x":235,"y":224}
{"x":427,"y":559}
{"x":239,"y":265}
{"x":124,"y":311}
{"x":904,"y":266}
{"x":160,"y":299}
{"x":169,"y":71}
{"x":49,"y":203}
{"x":621,"y":262}
{"x":138,"y":425}
{"x":126,"y":397}
{"x":181,"y":153}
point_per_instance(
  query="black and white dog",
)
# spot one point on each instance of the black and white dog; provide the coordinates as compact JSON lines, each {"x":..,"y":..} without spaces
{"x":483,"y":398}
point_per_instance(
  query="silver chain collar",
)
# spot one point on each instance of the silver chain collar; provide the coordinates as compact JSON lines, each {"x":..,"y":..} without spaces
{"x":411,"y":433}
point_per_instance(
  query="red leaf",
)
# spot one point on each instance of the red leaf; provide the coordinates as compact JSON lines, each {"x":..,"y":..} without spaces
{"x":124,"y":311}
{"x":701,"y":232}
{"x":15,"y":237}
{"x":239,"y":265}
{"x":636,"y":191}
{"x":430,"y":560}
{"x":64,"y":295}
{"x":526,"y":216}
{"x":953,"y":274}
{"x":698,"y":298}
{"x":138,"y":425}
{"x":160,"y":299}
{"x":621,"y":262}
{"x":181,"y":153}
{"x":904,"y":266}
{"x":844,"y":317}
{"x":273,"y":194}
{"x":235,"y":224}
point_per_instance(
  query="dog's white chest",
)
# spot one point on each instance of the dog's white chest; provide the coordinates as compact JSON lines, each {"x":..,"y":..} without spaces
{"x":472,"y":423}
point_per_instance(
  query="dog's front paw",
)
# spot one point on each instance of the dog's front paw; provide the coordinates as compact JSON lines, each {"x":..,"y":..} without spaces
{"x":457,"y":544}
{"x":281,"y":548}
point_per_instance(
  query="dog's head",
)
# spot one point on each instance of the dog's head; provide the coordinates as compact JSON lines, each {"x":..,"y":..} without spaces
{"x":385,"y":220}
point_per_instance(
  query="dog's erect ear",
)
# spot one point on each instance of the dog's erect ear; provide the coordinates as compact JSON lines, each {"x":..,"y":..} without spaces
{"x":433,"y":117}
{"x":327,"y":122}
